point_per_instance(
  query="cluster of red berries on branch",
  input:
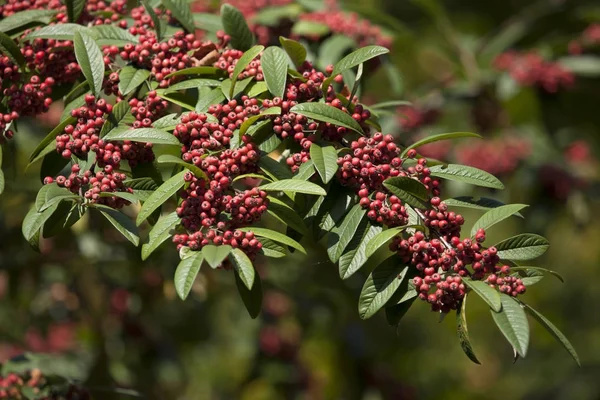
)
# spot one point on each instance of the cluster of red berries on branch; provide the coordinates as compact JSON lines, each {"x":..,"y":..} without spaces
{"x":531,"y":69}
{"x":498,"y":156}
{"x":17,"y":386}
{"x":589,"y":39}
{"x":229,"y":58}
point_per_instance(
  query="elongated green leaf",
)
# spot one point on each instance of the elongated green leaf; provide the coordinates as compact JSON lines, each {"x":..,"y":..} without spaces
{"x":513,"y":324}
{"x":170,"y":159}
{"x":342,"y":235}
{"x":312,"y":29}
{"x":120,"y":221}
{"x":239,"y":87}
{"x":2,"y":182}
{"x":274,"y":169}
{"x":287,"y":215}
{"x":182,"y":13}
{"x":305,"y":171}
{"x":235,"y":26}
{"x":58,"y":32}
{"x":50,"y":138}
{"x":215,"y":96}
{"x":353,"y":59}
{"x":295,"y":50}
{"x":56,"y":194}
{"x":9,"y":48}
{"x":273,"y":16}
{"x":390,"y":104}
{"x":191,"y":84}
{"x":214,"y":255}
{"x":274,"y":65}
{"x":583,"y":65}
{"x":130,"y":78}
{"x":90,"y":59}
{"x":110,"y":35}
{"x":538,"y":269}
{"x":67,"y":213}
{"x":439,"y":137}
{"x":24,"y":18}
{"x":202,"y":70}
{"x":186,"y":273}
{"x":525,"y":246}
{"x":483,"y":290}
{"x":242,"y":63}
{"x":252,"y":298}
{"x":409,"y":190}
{"x":162,"y":194}
{"x":326,"y":113}
{"x":33,"y":222}
{"x":353,"y":260}
{"x":463,"y":332}
{"x":272,"y":249}
{"x":295,"y":186}
{"x":256,"y":89}
{"x":466,"y":174}
{"x":380,"y":286}
{"x":243,"y":267}
{"x":478,"y":203}
{"x":495,"y":216}
{"x":117,"y":116}
{"x":333,"y":48}
{"x":74,"y":9}
{"x":144,"y":135}
{"x":554,"y":331}
{"x":130,"y":197}
{"x":159,"y":26}
{"x":275,"y":236}
{"x":381,"y":239}
{"x":208,"y":22}
{"x":325,"y":161}
{"x":160,"y":232}
{"x":250,"y":121}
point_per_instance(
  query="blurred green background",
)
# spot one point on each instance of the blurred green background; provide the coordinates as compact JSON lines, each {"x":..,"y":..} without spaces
{"x":108,"y":320}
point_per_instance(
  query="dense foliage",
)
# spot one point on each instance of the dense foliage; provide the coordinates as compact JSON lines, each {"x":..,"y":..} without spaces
{"x":236,"y":151}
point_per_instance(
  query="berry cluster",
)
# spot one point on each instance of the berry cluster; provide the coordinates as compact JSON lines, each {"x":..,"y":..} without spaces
{"x":498,"y":156}
{"x":411,"y":118}
{"x":530,"y":69}
{"x":147,"y":110}
{"x":32,"y":98}
{"x":52,"y":58}
{"x":590,"y":38}
{"x":21,"y":385}
{"x":229,"y":58}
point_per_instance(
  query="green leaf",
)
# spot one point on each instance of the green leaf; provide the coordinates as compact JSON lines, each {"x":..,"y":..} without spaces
{"x":313,"y":5}
{"x":235,"y":26}
{"x":463,"y":332}
{"x":341,"y":236}
{"x":64,"y":217}
{"x":380,"y":286}
{"x":191,"y":84}
{"x":58,"y":32}
{"x":544,"y":270}
{"x":74,"y":9}
{"x":9,"y":48}
{"x":274,"y":169}
{"x":583,"y":65}
{"x":56,"y":194}
{"x":130,"y":197}
{"x":202,"y":70}
{"x":250,"y":121}
{"x":33,"y":222}
{"x":381,"y":239}
{"x":513,"y":324}
{"x":286,"y":215}
{"x":121,"y":222}
{"x":354,"y":59}
{"x":326,"y":113}
{"x":144,"y":135}
{"x":182,"y":13}
{"x":478,"y":203}
{"x":25,"y":18}
{"x":295,"y":50}
{"x":243,"y":267}
{"x":90,"y":59}
{"x":525,"y":246}
{"x":272,"y":249}
{"x":437,"y":138}
{"x":409,"y":190}
{"x":306,"y":171}
{"x":240,"y":86}
{"x":162,"y":194}
{"x":110,"y":35}
{"x":242,"y":63}
{"x":159,"y":25}
{"x":170,"y":159}
{"x":160,"y":232}
{"x":463,"y":173}
{"x":186,"y":273}
{"x":119,"y":112}
{"x":483,"y":290}
{"x":208,"y":22}
{"x":275,"y":236}
{"x":390,"y":104}
{"x":2,"y":182}
{"x":295,"y":186}
{"x":255,"y":89}
{"x":130,"y":78}
{"x":214,"y":255}
{"x":325,"y":161}
{"x":395,"y":313}
{"x":273,"y":16}
{"x":554,"y":331}
{"x":353,"y":260}
{"x":274,"y":65}
{"x":50,"y":138}
{"x":311,"y":29}
{"x":495,"y":216}
{"x":252,"y":298}
{"x":215,"y":96}
{"x":333,"y":48}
